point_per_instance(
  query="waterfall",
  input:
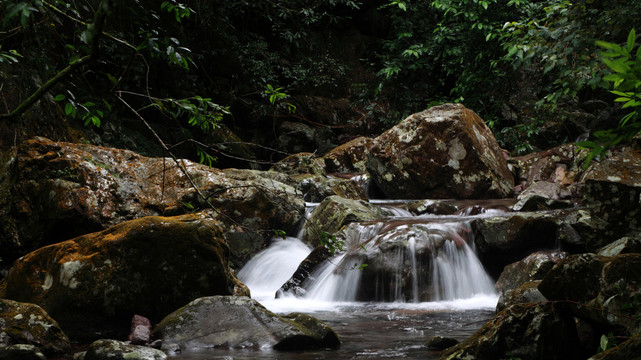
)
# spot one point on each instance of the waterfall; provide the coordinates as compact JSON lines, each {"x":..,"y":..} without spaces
{"x":406,"y":261}
{"x":271,"y":268}
{"x":400,"y":259}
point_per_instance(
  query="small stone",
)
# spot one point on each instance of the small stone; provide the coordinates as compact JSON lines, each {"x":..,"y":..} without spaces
{"x":441,"y":343}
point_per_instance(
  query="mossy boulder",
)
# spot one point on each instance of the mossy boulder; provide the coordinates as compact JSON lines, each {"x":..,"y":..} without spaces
{"x":334,"y":212}
{"x":92,"y":285}
{"x":24,"y":323}
{"x":315,"y":188}
{"x":444,"y":152}
{"x":54,"y":191}
{"x":240,"y":322}
{"x":21,"y":352}
{"x":524,"y":294}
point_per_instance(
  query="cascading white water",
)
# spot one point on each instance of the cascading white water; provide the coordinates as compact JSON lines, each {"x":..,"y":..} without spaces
{"x":401,"y":256}
{"x":271,"y":268}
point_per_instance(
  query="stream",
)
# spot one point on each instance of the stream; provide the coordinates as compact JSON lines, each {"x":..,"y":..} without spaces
{"x":422,"y":279}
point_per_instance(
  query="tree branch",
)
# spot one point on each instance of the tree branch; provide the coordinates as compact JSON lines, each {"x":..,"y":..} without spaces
{"x":94,"y":36}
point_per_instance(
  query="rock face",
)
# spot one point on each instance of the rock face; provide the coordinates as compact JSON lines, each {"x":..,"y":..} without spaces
{"x":444,"y":152}
{"x":93,"y":285}
{"x":613,"y":193}
{"x":527,"y":332}
{"x":54,"y":191}
{"x":24,"y":323}
{"x":240,"y":322}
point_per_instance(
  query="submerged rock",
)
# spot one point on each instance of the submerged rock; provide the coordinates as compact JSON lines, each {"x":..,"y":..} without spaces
{"x":106,"y":349}
{"x":24,"y":323}
{"x":444,"y":152}
{"x":93,"y":285}
{"x":240,"y":322}
{"x":53,"y":191}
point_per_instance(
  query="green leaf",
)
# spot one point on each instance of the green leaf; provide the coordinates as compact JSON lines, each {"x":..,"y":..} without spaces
{"x":631,"y":40}
{"x":610,"y":46}
{"x":69,"y":109}
{"x":59,"y":97}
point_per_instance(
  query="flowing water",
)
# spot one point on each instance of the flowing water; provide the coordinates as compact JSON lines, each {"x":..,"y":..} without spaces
{"x":397,"y":283}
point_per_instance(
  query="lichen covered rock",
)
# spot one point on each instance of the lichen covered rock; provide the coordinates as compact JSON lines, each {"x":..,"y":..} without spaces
{"x":24,"y":323}
{"x":240,"y":322}
{"x":444,"y":152}
{"x":92,"y":285}
{"x":349,"y":157}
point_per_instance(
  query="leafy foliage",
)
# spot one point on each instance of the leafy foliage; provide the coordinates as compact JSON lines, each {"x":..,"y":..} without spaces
{"x":625,"y":64}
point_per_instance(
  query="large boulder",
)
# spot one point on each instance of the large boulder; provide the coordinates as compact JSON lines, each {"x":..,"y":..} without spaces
{"x":92,"y":285}
{"x":503,"y":240}
{"x":613,"y":195}
{"x":21,"y":351}
{"x":526,"y":332}
{"x":603,"y":290}
{"x":24,"y":323}
{"x":444,"y":152}
{"x":240,"y":322}
{"x":524,"y":294}
{"x":53,"y":191}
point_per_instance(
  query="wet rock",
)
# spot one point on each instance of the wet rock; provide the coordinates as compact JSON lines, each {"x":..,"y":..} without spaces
{"x":524,"y":294}
{"x":139,"y":331}
{"x":532,"y":267}
{"x":444,"y":152}
{"x":527,"y":332}
{"x":240,"y":322}
{"x":334,"y":212}
{"x":54,"y":191}
{"x":21,"y":352}
{"x":93,"y":284}
{"x":613,"y":195}
{"x":349,"y":157}
{"x":625,"y":245}
{"x":441,"y":343}
{"x":106,"y":349}
{"x":628,"y":350}
{"x":503,"y":240}
{"x":24,"y":323}
{"x":293,"y":286}
{"x":543,"y":195}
